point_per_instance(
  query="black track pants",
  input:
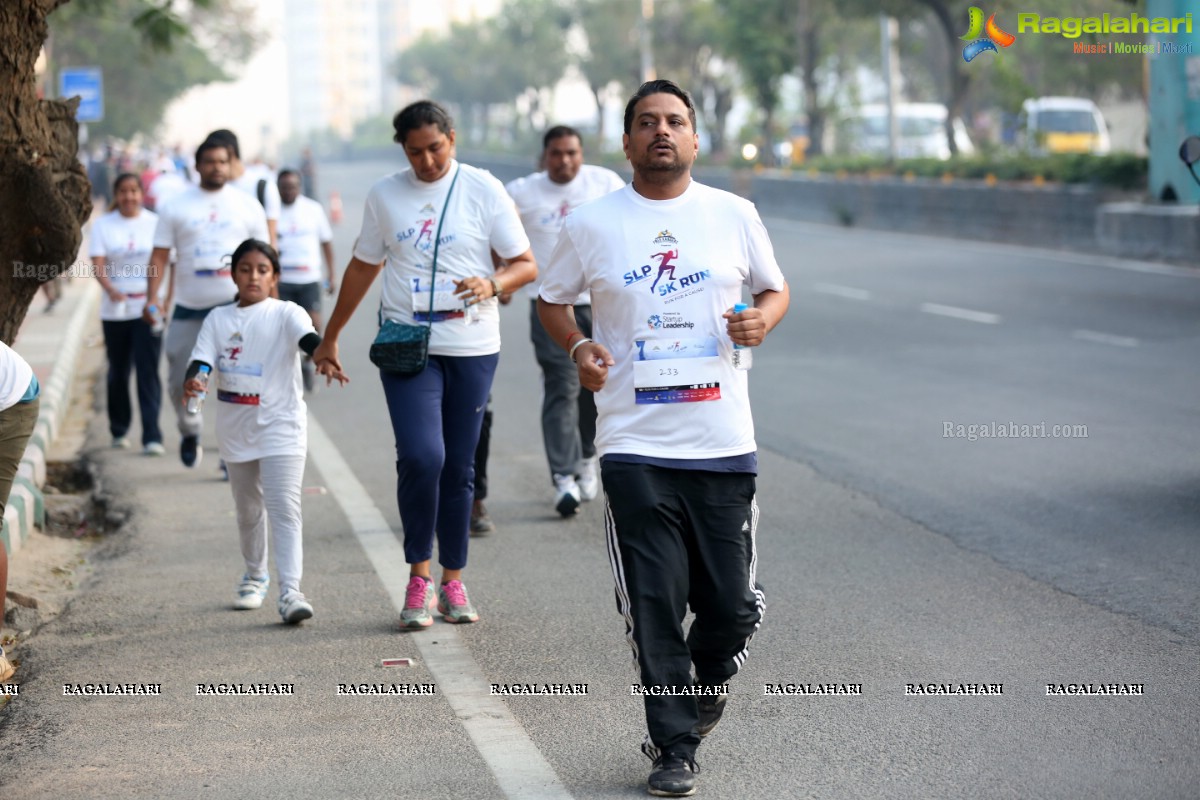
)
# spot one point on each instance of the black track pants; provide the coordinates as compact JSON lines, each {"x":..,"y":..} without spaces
{"x":680,"y":538}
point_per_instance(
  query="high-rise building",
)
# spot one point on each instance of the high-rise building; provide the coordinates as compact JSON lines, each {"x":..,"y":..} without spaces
{"x":342,"y":54}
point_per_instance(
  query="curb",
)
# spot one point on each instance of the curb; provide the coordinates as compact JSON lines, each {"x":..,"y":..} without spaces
{"x":26,"y":508}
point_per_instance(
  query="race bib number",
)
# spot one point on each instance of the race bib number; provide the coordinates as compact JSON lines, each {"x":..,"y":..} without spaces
{"x":210,"y":257}
{"x":239,"y":382}
{"x":676,"y":370}
{"x":445,"y":304}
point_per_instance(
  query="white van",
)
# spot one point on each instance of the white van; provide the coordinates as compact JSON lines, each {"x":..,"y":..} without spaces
{"x":1063,"y":125}
{"x":921,"y":131}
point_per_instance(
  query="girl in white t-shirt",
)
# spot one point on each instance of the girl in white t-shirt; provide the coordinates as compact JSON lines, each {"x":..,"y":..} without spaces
{"x":120,"y":245}
{"x":252,"y":351}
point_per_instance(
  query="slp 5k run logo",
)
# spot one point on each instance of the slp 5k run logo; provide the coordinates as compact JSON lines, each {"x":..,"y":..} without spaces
{"x":978,"y":43}
{"x":662,"y":268}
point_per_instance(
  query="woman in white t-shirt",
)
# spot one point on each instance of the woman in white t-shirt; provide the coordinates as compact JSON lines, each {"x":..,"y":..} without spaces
{"x":251,"y":351}
{"x":439,"y":211}
{"x":121,"y":242}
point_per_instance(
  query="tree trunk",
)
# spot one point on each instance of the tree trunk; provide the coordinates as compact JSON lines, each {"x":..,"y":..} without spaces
{"x":722,"y":105}
{"x":600,"y":95}
{"x":768,"y":136}
{"x":957,"y":80}
{"x":810,"y":58}
{"x":485,"y":123}
{"x":45,"y":197}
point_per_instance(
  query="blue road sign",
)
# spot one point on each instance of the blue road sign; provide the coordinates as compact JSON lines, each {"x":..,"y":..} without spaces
{"x":88,"y":84}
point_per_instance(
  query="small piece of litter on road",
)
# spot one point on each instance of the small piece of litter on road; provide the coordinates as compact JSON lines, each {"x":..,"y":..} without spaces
{"x":398,"y":662}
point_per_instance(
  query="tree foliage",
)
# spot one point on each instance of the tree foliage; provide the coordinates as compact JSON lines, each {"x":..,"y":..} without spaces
{"x":518,"y":54}
{"x":765,"y":51}
{"x":610,"y":60}
{"x":149,"y":54}
{"x":689,"y":47}
{"x":45,"y":196}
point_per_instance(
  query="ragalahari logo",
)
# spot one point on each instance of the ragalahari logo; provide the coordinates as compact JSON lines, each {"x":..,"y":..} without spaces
{"x":978,"y":43}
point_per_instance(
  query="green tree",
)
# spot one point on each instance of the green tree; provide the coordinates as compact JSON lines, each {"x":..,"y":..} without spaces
{"x":454,"y":68}
{"x":764,"y":51}
{"x":141,"y":78}
{"x":1034,"y":65}
{"x":689,"y":38}
{"x":45,"y":197}
{"x":609,"y":62}
{"x":531,"y":55}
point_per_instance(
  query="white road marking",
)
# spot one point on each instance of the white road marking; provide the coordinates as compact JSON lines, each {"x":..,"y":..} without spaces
{"x":848,"y":292}
{"x":883,"y":237}
{"x":983,"y":317}
{"x":510,"y":754}
{"x":1105,"y":338}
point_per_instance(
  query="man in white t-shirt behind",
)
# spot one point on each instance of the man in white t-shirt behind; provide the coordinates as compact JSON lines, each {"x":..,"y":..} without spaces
{"x":304,"y":237}
{"x":204,"y":224}
{"x":666,"y":260}
{"x":255,"y":180}
{"x":568,"y":414}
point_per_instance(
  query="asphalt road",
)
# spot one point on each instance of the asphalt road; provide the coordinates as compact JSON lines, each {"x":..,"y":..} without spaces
{"x":891,"y":554}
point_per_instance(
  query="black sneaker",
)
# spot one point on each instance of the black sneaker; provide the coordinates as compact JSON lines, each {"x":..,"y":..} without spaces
{"x":711,"y":707}
{"x":673,"y":775}
{"x":481,"y":523}
{"x":190,"y":451}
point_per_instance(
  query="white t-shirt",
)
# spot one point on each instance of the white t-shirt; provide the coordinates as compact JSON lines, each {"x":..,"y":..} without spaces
{"x":125,"y":244}
{"x":15,"y":375}
{"x":248,"y":183}
{"x":399,"y":223}
{"x":662,"y":272}
{"x":165,"y":187}
{"x":544,"y":204}
{"x":255,"y":355}
{"x":302,"y":228}
{"x":205,"y":228}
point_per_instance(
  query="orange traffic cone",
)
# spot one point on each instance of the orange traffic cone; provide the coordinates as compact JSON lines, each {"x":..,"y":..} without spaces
{"x":335,"y":207}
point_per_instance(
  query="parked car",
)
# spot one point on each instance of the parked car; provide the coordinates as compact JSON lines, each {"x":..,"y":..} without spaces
{"x":920,"y":127}
{"x":1063,"y":125}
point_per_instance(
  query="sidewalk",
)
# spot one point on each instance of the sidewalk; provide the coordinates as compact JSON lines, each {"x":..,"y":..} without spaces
{"x":52,"y":344}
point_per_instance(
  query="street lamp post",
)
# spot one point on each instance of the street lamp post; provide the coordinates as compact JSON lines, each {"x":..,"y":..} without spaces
{"x":644,"y":37}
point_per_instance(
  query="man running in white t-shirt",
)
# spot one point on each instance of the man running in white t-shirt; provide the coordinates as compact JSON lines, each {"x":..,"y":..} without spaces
{"x":255,"y":180}
{"x":204,"y":224}
{"x":674,"y":433}
{"x":304,"y":237}
{"x":568,"y":415}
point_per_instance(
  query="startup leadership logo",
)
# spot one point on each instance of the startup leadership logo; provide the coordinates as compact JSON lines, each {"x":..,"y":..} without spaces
{"x":981,"y":37}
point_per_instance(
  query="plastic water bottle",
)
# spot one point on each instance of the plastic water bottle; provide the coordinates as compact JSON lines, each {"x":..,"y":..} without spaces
{"x":193,"y":403}
{"x":159,"y":325}
{"x":743,"y":356}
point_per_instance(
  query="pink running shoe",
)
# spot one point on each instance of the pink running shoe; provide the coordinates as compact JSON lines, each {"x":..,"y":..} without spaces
{"x":453,"y":604}
{"x":418,"y":598}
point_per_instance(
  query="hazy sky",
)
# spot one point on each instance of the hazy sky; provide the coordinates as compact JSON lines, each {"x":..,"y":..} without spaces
{"x":255,"y":106}
{"x":258,"y":99}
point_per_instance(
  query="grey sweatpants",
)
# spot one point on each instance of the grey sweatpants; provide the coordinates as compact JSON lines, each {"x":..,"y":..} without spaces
{"x":181,"y":339}
{"x":568,"y":410}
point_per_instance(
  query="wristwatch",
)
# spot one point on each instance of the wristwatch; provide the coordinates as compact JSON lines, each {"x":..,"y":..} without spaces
{"x":497,"y":287}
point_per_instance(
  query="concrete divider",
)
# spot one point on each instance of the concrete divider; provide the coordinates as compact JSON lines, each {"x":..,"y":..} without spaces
{"x":1075,"y":217}
{"x":1159,"y":232}
{"x":52,"y":348}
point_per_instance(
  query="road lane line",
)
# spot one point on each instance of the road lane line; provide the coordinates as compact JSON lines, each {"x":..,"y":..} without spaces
{"x":1105,"y":338}
{"x":510,"y":754}
{"x":961,"y":313}
{"x":885,"y":237}
{"x":849,"y":292}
